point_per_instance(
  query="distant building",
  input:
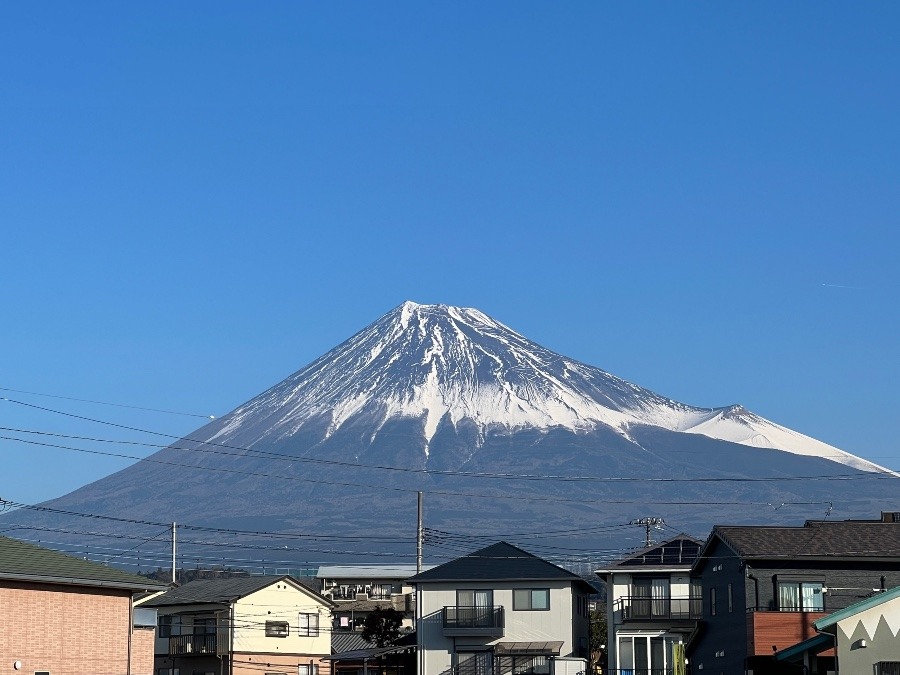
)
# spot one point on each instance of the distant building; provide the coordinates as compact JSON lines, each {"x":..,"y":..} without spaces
{"x":68,"y":616}
{"x":500,"y":611}
{"x":357,"y":590}
{"x":652,"y":606}
{"x":243,"y":626}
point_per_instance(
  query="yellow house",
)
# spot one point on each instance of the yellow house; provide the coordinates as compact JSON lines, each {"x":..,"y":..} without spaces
{"x":242,"y":626}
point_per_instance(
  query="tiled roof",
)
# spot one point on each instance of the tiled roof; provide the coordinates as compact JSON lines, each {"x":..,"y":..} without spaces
{"x":500,"y":561}
{"x":222,"y":590}
{"x":816,"y":539}
{"x":23,"y":561}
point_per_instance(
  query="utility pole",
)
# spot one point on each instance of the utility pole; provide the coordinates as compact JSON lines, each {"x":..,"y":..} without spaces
{"x":173,"y":552}
{"x":419,"y":532}
{"x":647,"y":523}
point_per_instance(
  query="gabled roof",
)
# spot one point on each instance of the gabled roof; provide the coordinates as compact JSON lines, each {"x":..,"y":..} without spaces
{"x":22,"y":561}
{"x":498,"y":562}
{"x":224,"y":591}
{"x":857,"y":607}
{"x":677,"y":553}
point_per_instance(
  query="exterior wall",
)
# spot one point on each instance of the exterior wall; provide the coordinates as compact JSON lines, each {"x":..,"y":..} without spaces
{"x":256,"y":664}
{"x":619,"y":586}
{"x":556,"y":624}
{"x":67,"y":630}
{"x":142,"y":640}
{"x":755,"y":606}
{"x":280,"y":602}
{"x":879,"y":627}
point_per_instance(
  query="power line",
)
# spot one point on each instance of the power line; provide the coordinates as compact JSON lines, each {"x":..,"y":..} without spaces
{"x":116,"y":405}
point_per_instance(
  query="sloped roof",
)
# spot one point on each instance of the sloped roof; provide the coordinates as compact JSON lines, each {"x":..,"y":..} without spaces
{"x":679,"y":552}
{"x":348,"y":641}
{"x":223,"y":590}
{"x":500,"y":561}
{"x":367,"y":571}
{"x":23,"y":561}
{"x":816,"y":539}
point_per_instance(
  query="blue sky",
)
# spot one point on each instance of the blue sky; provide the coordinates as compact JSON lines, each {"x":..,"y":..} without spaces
{"x":198,"y":199}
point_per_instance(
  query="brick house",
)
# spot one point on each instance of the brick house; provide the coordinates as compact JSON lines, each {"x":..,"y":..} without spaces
{"x":242,"y":626}
{"x":62,"y":615}
{"x":764,"y":587}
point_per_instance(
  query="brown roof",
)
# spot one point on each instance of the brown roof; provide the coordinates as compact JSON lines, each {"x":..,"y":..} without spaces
{"x":816,"y":539}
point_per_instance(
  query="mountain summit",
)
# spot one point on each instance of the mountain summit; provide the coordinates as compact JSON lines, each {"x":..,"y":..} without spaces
{"x":501,"y":435}
{"x":450,"y":365}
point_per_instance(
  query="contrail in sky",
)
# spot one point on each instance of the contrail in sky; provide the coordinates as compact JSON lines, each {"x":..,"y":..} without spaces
{"x":852,"y":288}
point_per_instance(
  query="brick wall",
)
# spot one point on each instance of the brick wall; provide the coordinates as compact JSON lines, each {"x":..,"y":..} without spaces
{"x":67,"y":630}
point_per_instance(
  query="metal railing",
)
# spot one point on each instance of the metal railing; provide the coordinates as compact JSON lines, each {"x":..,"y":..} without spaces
{"x":652,"y":609}
{"x":180,"y":645}
{"x":473,"y":617}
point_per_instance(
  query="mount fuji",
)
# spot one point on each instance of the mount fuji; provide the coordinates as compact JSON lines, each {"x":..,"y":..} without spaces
{"x":502,"y":435}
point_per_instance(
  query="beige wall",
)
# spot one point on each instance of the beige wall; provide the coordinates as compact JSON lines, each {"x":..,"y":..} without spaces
{"x":283,"y":601}
{"x":69,"y":630}
{"x":255,"y":664}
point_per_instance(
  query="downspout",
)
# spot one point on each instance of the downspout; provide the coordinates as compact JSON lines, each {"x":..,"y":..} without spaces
{"x":130,"y":629}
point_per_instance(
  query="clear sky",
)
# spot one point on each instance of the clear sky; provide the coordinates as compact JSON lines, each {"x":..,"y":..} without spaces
{"x":197,"y":199}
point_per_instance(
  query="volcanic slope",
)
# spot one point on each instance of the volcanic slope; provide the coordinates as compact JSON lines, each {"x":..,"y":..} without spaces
{"x":500,"y":433}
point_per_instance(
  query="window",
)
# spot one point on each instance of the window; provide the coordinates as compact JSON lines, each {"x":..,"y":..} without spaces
{"x":712,"y":601}
{"x":278,"y":629}
{"x":474,"y":663}
{"x":646,"y":654}
{"x":533,"y":599}
{"x":380,"y":592}
{"x":887,"y":668}
{"x":169,"y":625}
{"x":205,"y":626}
{"x":800,"y":596}
{"x":308,"y":669}
{"x":651,"y":597}
{"x":308,"y":625}
{"x":167,"y":671}
{"x":474,"y":598}
{"x":730,"y":599}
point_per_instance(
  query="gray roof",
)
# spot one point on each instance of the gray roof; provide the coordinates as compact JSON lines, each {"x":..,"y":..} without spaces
{"x":677,"y":553}
{"x":348,"y":641}
{"x":367,"y":571}
{"x":22,"y":561}
{"x":222,"y":590}
{"x":840,"y":539}
{"x":500,"y":561}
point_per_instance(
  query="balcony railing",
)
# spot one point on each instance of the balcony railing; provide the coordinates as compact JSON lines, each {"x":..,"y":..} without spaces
{"x":473,"y":621}
{"x":657,"y":609}
{"x":181,"y":645}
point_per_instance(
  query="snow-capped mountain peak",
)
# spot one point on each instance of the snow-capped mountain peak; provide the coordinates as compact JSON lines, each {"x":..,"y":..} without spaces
{"x":444,"y":364}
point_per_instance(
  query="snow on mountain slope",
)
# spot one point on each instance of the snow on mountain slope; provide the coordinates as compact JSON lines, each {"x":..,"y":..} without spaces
{"x":436,"y":362}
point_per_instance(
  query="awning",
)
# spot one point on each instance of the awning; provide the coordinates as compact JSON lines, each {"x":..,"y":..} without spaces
{"x":367,"y":654}
{"x":545,"y":648}
{"x":814,"y":645}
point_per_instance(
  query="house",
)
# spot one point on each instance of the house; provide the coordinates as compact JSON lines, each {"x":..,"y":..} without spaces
{"x":652,"y":605}
{"x":242,"y":626}
{"x":865,"y":635}
{"x":499,"y":610}
{"x":764,"y":587}
{"x":357,"y":590}
{"x":68,"y":616}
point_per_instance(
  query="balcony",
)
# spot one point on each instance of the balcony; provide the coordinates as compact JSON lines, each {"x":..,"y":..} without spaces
{"x":471,"y":621}
{"x":186,"y":645}
{"x":660,"y":609}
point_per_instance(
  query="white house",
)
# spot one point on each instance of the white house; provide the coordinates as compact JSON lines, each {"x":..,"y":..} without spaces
{"x":652,"y":606}
{"x":242,"y":626}
{"x":498,"y":611}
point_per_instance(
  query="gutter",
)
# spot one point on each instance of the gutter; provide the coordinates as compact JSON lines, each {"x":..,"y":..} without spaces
{"x":75,"y":581}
